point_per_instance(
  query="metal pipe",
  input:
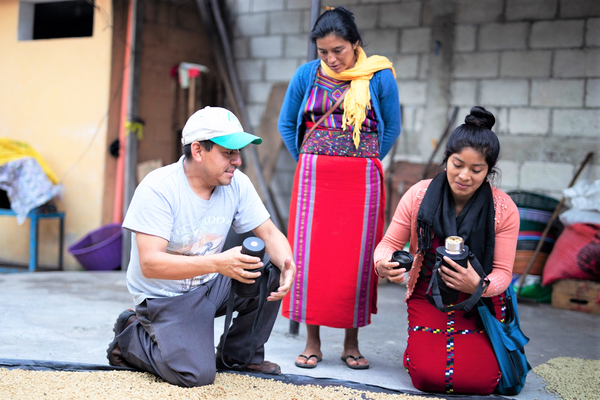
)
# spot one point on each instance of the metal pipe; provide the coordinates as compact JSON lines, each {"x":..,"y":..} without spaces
{"x":315,"y":10}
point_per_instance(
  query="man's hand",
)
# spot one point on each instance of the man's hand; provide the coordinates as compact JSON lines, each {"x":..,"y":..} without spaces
{"x":235,"y":265}
{"x":288,"y":272}
{"x":385,"y":269}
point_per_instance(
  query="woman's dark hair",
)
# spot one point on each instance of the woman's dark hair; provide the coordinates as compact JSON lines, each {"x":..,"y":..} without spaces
{"x":477,"y":134}
{"x":187,"y":149}
{"x":338,"y":21}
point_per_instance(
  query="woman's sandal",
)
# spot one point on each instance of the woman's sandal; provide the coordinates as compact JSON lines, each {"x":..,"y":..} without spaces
{"x":305,"y":364}
{"x":357,"y":366}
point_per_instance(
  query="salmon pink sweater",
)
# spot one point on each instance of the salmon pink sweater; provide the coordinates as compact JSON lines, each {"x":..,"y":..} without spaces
{"x":403,"y":227}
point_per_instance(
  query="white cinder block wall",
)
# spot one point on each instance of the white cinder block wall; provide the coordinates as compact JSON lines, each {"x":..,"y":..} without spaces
{"x":534,"y":63}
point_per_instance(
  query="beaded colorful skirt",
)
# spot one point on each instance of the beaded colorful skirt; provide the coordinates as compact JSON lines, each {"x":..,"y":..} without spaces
{"x":449,"y":352}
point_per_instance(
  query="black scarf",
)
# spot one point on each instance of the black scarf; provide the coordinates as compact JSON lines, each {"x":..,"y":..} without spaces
{"x":475,"y":224}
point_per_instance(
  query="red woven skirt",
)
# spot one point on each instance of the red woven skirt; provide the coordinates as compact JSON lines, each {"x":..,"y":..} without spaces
{"x":447,"y":352}
{"x":336,"y":219}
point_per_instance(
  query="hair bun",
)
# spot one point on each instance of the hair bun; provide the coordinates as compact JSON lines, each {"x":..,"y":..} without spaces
{"x":480,"y":117}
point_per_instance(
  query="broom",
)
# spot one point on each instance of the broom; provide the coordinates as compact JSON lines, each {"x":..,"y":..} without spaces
{"x":524,"y":300}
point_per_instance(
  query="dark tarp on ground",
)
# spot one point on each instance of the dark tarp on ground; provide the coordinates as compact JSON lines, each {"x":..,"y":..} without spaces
{"x":39,"y":365}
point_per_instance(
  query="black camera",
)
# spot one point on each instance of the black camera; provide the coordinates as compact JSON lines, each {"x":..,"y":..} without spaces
{"x":454,"y":249}
{"x":404,"y":258}
{"x":253,"y":246}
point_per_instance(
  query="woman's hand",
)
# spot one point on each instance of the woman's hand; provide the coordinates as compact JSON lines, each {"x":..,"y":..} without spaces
{"x":464,"y":280}
{"x":286,"y":279}
{"x":385,"y":269}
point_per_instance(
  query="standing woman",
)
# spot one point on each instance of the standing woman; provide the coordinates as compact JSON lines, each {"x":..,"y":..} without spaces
{"x":449,"y":352}
{"x":336,"y":213}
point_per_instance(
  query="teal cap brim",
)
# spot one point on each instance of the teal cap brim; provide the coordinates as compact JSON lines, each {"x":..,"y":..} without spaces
{"x":236,"y":140}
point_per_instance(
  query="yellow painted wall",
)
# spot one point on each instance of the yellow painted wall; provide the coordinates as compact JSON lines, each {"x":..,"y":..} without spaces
{"x":54,"y":95}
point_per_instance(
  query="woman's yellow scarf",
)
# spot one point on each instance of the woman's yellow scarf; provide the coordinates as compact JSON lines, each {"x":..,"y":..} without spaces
{"x":358,"y":98}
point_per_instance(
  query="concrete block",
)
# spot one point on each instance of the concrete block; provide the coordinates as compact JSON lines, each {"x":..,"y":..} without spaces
{"x":501,"y":115}
{"x":479,"y":11}
{"x":504,"y":92}
{"x":251,"y":24}
{"x":529,"y":121}
{"x":526,"y":64}
{"x":365,"y":16}
{"x":280,"y":70}
{"x":241,"y":48}
{"x":250,"y":70}
{"x":285,"y":22}
{"x":591,"y":173}
{"x":406,"y":66}
{"x":577,"y":63}
{"x":592,"y":63}
{"x":412,"y":92}
{"x":267,"y":5}
{"x":298,"y":5}
{"x":427,"y":13}
{"x":381,"y":42}
{"x":258,"y":92}
{"x":569,"y":64}
{"x":582,"y":123}
{"x":476,"y":65}
{"x":266,"y":46}
{"x":424,"y":66}
{"x":508,"y":177}
{"x":503,"y":36}
{"x":415,"y":40}
{"x":241,"y":6}
{"x":306,"y":23}
{"x":557,"y":93}
{"x":592,"y":93}
{"x":337,"y":3}
{"x":557,"y":34}
{"x":296,"y":45}
{"x":419,"y":119}
{"x":531,"y":9}
{"x":579,"y":8}
{"x":545,"y":176}
{"x":464,"y":93}
{"x":465,"y":38}
{"x":400,"y":15}
{"x":255,"y":112}
{"x":592,"y":34}
{"x":408,"y":118}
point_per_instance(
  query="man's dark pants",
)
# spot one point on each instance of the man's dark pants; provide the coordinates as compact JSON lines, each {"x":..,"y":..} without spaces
{"x":174,"y":336}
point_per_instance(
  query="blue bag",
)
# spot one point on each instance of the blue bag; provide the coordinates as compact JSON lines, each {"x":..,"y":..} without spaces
{"x":509,"y":343}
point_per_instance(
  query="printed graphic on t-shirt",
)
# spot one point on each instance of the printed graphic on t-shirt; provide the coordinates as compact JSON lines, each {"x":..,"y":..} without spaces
{"x":200,"y":238}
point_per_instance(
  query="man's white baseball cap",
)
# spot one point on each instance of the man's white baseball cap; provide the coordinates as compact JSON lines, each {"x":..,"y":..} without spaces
{"x":218,"y":125}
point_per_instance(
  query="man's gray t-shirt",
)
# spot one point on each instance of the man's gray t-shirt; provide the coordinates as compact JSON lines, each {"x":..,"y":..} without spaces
{"x":164,"y":205}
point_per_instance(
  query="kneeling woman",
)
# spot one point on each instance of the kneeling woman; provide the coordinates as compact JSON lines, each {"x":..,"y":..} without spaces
{"x":449,"y":352}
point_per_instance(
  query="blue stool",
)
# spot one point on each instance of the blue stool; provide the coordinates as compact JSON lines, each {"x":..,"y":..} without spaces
{"x":34,"y":216}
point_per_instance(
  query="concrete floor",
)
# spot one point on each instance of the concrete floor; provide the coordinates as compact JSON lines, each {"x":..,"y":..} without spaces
{"x":69,"y":316}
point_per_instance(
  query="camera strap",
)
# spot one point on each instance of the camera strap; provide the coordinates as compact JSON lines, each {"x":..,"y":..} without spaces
{"x":435,"y":297}
{"x":262,"y":298}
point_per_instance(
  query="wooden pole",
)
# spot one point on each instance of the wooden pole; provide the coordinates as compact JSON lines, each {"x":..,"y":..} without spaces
{"x":133,"y":96}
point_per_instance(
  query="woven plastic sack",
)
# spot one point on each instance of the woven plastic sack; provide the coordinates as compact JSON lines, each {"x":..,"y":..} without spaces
{"x":576,"y":255}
